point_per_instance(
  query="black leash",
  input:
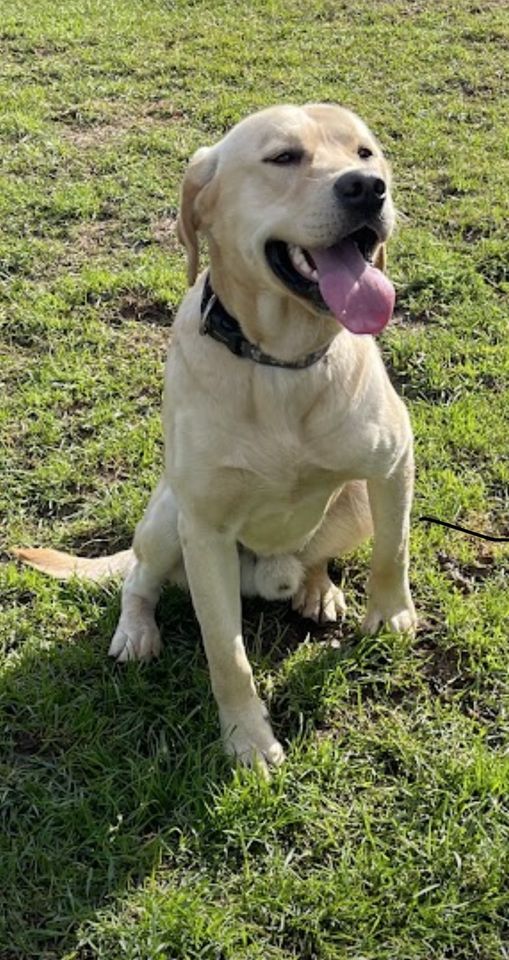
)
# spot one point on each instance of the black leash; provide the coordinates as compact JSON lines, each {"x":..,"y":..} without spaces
{"x":473,"y":533}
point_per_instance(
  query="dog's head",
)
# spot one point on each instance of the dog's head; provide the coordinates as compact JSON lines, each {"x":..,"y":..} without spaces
{"x":297,"y":198}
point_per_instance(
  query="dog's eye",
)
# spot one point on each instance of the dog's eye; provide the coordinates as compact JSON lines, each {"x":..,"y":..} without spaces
{"x":286,"y":157}
{"x":364,"y":153}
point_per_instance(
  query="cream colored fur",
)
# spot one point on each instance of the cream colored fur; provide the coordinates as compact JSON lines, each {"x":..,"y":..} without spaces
{"x":296,"y":466}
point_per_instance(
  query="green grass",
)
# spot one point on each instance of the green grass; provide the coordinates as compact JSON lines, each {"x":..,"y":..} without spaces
{"x":124,"y":832}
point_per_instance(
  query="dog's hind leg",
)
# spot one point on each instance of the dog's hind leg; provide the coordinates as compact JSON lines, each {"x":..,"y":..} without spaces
{"x":158,"y":557}
{"x":346,"y":524}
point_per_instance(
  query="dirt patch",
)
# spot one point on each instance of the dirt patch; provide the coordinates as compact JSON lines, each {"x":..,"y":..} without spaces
{"x":101,"y":122}
{"x":95,"y":236}
{"x":136,"y":306}
{"x":106,"y":237}
{"x":469,"y":88}
{"x":100,"y":542}
{"x":495,"y":271}
{"x":447,"y":188}
{"x":467,"y":576}
{"x":449,"y":678}
{"x":473,"y":232}
{"x":95,"y":135}
{"x":164,"y":109}
{"x":60,"y":509}
{"x":442,"y":670}
{"x":489,"y":36}
{"x":92,"y":238}
{"x":26,"y":743}
{"x":164,"y":232}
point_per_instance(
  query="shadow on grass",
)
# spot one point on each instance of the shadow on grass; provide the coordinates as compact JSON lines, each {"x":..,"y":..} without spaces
{"x":114,"y":771}
{"x":107,"y":770}
{"x":110,"y":771}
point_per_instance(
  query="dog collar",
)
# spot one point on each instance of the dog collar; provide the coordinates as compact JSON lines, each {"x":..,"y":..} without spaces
{"x":221,"y":326}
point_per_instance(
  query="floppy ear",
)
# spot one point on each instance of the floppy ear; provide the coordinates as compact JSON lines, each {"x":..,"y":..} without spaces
{"x":380,"y":259}
{"x":198,"y":174}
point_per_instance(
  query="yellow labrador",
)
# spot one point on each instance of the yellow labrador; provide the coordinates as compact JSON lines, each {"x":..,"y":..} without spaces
{"x":285,"y":441}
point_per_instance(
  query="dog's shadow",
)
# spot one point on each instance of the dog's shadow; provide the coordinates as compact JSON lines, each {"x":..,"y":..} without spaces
{"x":112,"y":769}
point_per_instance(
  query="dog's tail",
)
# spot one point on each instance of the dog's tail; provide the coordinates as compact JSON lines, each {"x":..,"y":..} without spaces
{"x":63,"y":566}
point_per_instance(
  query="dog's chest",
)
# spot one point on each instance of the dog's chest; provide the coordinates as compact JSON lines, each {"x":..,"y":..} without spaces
{"x":281,"y":494}
{"x":261,"y":459}
{"x":282,"y":525}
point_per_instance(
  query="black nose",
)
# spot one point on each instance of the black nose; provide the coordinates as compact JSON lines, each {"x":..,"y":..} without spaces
{"x":361,"y":192}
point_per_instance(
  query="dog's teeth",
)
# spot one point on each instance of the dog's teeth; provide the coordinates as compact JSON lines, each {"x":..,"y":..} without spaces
{"x":300,"y":262}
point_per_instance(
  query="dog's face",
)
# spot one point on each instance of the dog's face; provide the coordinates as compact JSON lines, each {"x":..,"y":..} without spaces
{"x":284,"y":187}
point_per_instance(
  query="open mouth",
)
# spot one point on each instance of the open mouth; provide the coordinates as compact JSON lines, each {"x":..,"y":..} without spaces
{"x":339,"y":279}
{"x":297,"y":269}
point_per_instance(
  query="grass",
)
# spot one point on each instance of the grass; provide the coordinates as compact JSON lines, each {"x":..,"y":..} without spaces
{"x":124,"y":833}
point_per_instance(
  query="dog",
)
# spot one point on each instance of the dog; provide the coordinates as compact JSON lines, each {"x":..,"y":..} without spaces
{"x":285,"y":442}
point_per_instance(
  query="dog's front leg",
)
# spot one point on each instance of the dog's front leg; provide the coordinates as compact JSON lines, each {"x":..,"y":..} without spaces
{"x":388,"y":588}
{"x":213,"y":572}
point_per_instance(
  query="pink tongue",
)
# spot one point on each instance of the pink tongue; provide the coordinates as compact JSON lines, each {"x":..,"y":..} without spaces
{"x":360,"y":296}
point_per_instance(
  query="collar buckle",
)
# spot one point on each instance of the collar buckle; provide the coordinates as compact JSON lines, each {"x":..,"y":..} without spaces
{"x":205,"y":324}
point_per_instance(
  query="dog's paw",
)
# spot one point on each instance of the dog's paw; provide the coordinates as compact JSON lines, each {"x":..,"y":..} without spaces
{"x":319,"y":599}
{"x":248,"y":737}
{"x":398,"y":616}
{"x":137,"y":641}
{"x":279,"y":577}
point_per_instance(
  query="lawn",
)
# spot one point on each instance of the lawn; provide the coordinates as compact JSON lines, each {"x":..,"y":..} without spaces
{"x":125,"y":834}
